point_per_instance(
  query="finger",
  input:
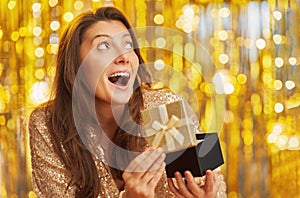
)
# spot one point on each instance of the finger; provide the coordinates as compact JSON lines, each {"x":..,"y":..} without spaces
{"x":156,"y":166}
{"x":217,"y":170}
{"x":149,"y":162}
{"x":158,"y":162}
{"x":191,"y":184}
{"x":156,"y":177}
{"x":173,"y":189}
{"x":215,"y":176}
{"x":135,"y":162}
{"x":130,"y":176}
{"x":182,"y":186}
{"x":217,"y":180}
{"x":209,"y":181}
{"x":127,"y":174}
{"x":152,"y":171}
{"x":143,"y":161}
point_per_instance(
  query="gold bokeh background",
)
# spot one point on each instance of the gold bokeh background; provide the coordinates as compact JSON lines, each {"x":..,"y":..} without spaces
{"x":255,"y":45}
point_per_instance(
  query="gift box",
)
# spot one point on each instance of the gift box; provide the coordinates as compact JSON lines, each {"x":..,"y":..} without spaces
{"x":205,"y":155}
{"x":168,"y":126}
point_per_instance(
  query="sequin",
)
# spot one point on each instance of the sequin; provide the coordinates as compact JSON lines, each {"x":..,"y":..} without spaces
{"x":50,"y":177}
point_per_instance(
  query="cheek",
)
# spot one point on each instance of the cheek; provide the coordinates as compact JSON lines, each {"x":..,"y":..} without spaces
{"x":134,"y":61}
{"x":93,"y":67}
{"x":99,"y":87}
{"x":135,"y":66}
{"x":92,"y":76}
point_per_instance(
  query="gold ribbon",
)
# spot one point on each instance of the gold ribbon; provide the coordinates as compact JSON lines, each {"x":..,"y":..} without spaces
{"x":167,"y":128}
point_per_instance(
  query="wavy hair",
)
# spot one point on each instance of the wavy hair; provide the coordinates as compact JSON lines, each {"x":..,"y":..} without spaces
{"x":74,"y":153}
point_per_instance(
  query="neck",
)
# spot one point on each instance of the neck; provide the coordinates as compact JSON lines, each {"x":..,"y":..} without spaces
{"x":108,"y":117}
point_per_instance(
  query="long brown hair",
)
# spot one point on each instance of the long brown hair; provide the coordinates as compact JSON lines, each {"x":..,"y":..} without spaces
{"x":75,"y":155}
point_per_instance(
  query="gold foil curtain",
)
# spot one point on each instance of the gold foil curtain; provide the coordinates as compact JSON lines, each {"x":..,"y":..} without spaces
{"x":254,"y":45}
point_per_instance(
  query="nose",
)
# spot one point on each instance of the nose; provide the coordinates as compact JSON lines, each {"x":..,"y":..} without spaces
{"x":122,"y":59}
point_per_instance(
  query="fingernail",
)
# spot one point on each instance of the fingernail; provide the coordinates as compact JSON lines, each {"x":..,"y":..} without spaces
{"x":187,"y":172}
{"x":177,"y":173}
{"x":208,"y":172}
{"x":159,"y":150}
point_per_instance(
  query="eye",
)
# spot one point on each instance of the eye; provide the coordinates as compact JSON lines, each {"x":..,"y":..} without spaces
{"x":103,"y":46}
{"x":128,"y":45}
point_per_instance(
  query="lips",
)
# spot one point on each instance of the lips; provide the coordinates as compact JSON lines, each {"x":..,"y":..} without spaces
{"x":119,"y":78}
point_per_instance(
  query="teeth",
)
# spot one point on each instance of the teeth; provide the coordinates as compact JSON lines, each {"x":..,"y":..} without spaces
{"x":119,"y":78}
{"x":120,"y":74}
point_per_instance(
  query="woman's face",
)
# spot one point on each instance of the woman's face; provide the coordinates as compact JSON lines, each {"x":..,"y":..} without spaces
{"x":109,"y":61}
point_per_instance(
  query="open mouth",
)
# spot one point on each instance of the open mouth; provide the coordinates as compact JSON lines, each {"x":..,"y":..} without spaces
{"x":119,"y":78}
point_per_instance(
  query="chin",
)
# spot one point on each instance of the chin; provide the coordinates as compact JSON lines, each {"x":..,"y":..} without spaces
{"x":121,"y":97}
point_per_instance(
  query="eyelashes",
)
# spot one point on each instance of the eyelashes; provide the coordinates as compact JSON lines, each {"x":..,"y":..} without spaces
{"x":105,"y":46}
{"x":129,"y":45}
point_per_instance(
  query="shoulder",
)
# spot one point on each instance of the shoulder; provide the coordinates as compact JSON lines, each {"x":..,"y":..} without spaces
{"x":38,"y":124}
{"x":154,"y":96}
{"x":38,"y":116}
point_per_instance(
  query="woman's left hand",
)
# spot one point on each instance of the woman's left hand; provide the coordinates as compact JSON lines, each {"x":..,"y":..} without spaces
{"x":189,"y":188}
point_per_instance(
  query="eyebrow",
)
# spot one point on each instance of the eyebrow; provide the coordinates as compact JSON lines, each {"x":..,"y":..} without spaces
{"x":108,"y":36}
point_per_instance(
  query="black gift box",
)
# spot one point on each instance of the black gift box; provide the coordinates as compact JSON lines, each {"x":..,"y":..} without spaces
{"x":198,"y":159}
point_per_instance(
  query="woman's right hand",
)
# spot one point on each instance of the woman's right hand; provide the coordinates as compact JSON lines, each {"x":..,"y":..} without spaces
{"x":143,"y":173}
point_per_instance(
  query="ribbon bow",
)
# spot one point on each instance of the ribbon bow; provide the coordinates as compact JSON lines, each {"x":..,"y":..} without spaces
{"x":167,"y":128}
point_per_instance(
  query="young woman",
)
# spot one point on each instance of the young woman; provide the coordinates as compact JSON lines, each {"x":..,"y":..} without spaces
{"x":78,"y":139}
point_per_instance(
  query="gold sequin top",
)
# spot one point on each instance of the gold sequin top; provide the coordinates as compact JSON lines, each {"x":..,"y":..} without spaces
{"x":50,"y":177}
